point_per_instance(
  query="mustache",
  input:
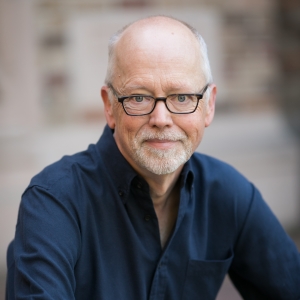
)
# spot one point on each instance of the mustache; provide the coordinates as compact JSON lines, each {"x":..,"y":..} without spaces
{"x":162,"y":135}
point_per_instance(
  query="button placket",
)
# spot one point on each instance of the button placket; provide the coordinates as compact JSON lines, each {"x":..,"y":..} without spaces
{"x":160,"y":283}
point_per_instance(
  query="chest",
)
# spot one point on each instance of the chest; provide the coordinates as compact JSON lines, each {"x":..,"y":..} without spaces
{"x":122,"y":257}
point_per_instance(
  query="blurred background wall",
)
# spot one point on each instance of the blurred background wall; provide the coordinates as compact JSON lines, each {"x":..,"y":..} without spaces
{"x":53,"y":57}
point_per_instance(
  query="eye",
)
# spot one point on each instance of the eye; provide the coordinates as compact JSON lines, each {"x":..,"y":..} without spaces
{"x":181,"y":98}
{"x":138,"y":98}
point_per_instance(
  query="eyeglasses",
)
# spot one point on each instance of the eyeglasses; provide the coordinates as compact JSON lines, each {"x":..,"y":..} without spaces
{"x":140,"y":105}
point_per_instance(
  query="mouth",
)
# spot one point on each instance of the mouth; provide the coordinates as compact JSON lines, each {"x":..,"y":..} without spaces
{"x":163,"y":144}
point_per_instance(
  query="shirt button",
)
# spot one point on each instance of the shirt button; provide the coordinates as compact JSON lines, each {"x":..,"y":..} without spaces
{"x":121,"y":193}
{"x":139,"y":186}
{"x":147,"y":218}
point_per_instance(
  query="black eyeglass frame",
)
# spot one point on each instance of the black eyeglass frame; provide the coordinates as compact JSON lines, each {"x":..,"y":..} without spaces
{"x":164,"y":99}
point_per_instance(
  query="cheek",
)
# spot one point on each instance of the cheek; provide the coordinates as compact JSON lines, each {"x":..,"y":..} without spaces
{"x":123,"y":122}
{"x":195,"y":130}
{"x":128,"y":126}
{"x":194,"y":123}
{"x":126,"y":129}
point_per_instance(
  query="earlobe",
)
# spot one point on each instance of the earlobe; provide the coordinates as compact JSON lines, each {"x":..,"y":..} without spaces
{"x":108,"y":108}
{"x":210,"y":106}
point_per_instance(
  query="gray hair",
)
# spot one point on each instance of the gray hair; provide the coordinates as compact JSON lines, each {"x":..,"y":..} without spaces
{"x":203,"y":52}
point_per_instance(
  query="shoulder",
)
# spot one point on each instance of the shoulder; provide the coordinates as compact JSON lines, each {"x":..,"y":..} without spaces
{"x":222,"y":186}
{"x":67,"y":174}
{"x":213,"y":170}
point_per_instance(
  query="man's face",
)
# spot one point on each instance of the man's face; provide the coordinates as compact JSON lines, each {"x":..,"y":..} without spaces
{"x":159,"y":63}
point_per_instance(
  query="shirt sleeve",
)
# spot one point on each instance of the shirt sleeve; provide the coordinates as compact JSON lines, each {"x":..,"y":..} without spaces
{"x":46,"y":247}
{"x":266,"y":262}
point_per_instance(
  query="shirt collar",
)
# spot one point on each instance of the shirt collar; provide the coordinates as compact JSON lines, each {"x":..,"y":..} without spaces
{"x":117,"y":167}
{"x":187,"y":174}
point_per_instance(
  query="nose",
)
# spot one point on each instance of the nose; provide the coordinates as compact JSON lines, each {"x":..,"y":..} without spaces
{"x":160,"y":117}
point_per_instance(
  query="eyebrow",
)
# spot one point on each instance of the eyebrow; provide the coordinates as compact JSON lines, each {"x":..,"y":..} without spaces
{"x":180,"y":88}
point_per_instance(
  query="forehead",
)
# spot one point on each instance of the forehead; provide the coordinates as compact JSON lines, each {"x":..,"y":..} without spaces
{"x":163,"y":50}
{"x":157,"y":36}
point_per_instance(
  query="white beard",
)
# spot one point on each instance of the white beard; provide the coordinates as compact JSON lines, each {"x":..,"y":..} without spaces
{"x":161,"y":161}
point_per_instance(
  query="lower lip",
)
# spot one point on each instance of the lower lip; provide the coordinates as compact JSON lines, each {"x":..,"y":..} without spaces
{"x":160,"y":144}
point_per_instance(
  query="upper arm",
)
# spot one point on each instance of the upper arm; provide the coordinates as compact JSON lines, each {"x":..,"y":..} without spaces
{"x":46,"y":246}
{"x":266,"y":264}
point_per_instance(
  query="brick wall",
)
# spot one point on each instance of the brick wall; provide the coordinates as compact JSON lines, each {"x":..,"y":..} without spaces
{"x":249,"y":50}
{"x":250,"y":65}
{"x":288,"y":42}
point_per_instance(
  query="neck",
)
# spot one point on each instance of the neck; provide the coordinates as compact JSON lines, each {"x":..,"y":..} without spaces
{"x":164,"y":192}
{"x":161,"y":187}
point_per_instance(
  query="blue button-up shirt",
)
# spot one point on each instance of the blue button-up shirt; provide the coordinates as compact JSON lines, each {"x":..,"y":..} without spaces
{"x":87,"y":229}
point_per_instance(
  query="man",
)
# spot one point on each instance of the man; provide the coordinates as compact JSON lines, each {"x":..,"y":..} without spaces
{"x":138,"y":215}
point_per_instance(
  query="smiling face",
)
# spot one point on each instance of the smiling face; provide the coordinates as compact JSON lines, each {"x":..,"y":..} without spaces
{"x":157,"y":56}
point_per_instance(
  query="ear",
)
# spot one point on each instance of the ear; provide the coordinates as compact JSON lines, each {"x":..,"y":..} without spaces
{"x":210,"y":106}
{"x":108,"y":107}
